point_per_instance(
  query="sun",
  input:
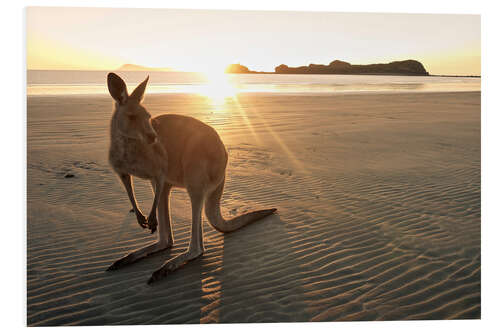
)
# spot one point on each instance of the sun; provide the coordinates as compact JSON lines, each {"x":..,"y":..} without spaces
{"x":218,"y":86}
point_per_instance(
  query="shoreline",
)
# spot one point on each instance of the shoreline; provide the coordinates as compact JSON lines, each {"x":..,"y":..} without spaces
{"x":252,"y":72}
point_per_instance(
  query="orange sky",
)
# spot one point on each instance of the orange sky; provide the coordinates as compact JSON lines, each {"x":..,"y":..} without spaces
{"x":207,"y":41}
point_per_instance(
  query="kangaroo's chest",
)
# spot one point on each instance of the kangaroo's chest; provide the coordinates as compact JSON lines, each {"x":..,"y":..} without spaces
{"x":133,"y":159}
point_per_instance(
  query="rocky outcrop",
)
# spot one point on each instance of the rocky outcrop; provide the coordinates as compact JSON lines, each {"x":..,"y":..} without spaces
{"x":405,"y":67}
{"x":237,"y":69}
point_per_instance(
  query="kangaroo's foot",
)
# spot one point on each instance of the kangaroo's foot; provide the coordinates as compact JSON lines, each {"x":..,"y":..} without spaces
{"x":174,"y":263}
{"x":138,"y":255}
{"x":152,"y":222}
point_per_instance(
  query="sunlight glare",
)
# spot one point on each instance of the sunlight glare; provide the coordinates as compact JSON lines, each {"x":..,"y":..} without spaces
{"x":218,"y":88}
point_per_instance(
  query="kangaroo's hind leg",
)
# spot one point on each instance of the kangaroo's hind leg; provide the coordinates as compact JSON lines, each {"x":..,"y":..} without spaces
{"x":158,"y":186}
{"x":165,"y":235}
{"x":196,"y":247}
{"x":165,"y":238}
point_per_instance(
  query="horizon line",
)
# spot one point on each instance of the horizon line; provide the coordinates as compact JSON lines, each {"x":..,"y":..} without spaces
{"x":156,"y":69}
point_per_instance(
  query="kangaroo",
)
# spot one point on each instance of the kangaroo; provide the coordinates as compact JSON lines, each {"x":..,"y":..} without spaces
{"x":170,"y":151}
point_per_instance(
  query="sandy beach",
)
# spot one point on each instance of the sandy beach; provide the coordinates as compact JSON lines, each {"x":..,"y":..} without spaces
{"x":379,"y":213}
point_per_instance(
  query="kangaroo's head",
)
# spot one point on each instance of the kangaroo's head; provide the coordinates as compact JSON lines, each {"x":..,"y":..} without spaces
{"x":131,"y":118}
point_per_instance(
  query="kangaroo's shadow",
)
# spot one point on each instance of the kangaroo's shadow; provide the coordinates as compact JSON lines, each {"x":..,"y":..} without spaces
{"x":257,"y":278}
{"x":243,"y":276}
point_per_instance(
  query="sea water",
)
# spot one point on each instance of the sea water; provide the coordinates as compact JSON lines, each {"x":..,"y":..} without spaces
{"x":70,"y":82}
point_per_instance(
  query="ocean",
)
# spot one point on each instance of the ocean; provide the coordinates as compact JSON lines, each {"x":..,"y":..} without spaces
{"x":71,"y":82}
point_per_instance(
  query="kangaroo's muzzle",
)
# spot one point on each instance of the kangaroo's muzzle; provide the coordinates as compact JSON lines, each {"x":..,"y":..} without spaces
{"x":151,"y":138}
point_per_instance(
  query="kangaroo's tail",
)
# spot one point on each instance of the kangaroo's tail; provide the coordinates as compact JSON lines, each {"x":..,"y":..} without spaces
{"x":212,"y":211}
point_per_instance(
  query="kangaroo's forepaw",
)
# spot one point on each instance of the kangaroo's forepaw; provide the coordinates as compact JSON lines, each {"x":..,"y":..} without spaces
{"x":141,"y":219}
{"x":152,"y":223}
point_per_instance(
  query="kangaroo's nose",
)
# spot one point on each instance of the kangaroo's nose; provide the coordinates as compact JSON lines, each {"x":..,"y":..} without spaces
{"x":151,"y":138}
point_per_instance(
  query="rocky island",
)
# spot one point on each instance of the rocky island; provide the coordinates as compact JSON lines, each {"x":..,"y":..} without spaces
{"x":405,"y":67}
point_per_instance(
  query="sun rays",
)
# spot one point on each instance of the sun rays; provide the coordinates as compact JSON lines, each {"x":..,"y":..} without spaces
{"x":223,"y":96}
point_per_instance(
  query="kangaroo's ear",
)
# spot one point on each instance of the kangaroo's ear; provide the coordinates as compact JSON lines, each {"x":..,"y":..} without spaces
{"x":117,"y":88}
{"x":138,"y":93}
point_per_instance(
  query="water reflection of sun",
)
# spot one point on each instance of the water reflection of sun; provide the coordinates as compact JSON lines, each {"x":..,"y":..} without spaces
{"x":218,"y":88}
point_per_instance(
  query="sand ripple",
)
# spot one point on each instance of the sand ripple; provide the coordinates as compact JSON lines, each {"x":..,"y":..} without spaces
{"x":379,"y":218}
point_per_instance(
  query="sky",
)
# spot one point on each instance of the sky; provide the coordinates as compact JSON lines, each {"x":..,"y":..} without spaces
{"x":209,"y":40}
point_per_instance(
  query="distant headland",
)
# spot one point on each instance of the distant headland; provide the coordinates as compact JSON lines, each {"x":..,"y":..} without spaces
{"x":405,"y":67}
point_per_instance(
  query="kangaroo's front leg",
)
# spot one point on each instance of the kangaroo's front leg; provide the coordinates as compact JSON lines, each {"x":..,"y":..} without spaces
{"x":158,"y":186}
{"x":127,"y":182}
{"x":195,"y":248}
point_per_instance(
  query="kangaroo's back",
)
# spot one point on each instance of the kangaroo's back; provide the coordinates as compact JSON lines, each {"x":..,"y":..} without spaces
{"x":191,"y":144}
